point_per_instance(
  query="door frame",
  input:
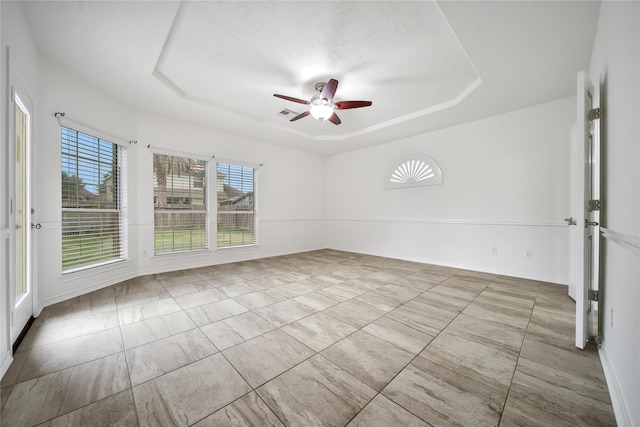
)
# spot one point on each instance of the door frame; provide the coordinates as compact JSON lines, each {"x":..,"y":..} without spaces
{"x":17,"y":86}
{"x":586,"y":192}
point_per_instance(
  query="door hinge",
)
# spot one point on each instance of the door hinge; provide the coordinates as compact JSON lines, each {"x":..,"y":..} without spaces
{"x":593,"y":114}
{"x":12,"y":319}
{"x":593,"y":295}
{"x":593,"y":205}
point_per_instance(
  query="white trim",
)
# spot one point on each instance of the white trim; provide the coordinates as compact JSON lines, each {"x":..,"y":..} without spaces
{"x":6,"y":363}
{"x":92,"y":131}
{"x":452,"y":222}
{"x":621,"y":409}
{"x":292,"y":220}
{"x":627,"y":241}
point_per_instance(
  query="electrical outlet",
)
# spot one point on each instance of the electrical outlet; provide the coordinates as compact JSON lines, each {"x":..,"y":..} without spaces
{"x":494,"y":250}
{"x":529,"y":254}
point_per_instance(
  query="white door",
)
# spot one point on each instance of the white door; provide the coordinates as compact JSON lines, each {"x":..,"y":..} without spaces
{"x":575,"y":233}
{"x":586,"y":195}
{"x":21,"y":210}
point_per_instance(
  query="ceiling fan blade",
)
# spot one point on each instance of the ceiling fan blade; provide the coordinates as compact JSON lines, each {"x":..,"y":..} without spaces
{"x":334,"y":119}
{"x":289,"y":98}
{"x":329,"y":90}
{"x":345,"y":105}
{"x":300,"y":116}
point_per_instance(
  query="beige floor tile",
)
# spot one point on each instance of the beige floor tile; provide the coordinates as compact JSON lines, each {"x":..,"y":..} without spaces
{"x":378,"y":301}
{"x":294,"y":289}
{"x":556,"y":401}
{"x":484,"y":364}
{"x":400,"y":293}
{"x":189,"y":394}
{"x":317,"y":300}
{"x":372,"y":360}
{"x":188,"y":288}
{"x":443,"y":397}
{"x":495,"y":334}
{"x":238,"y":289}
{"x":248,"y":411}
{"x":195,"y":299}
{"x":423,"y":316}
{"x":65,"y":354}
{"x":84,"y":305}
{"x":159,"y":357}
{"x":284,"y":312}
{"x":237,"y":329}
{"x":260,"y":299}
{"x":136,"y":297}
{"x":381,"y":412}
{"x":46,"y":397}
{"x":416,"y":281}
{"x":318,"y":331}
{"x":144,"y":332}
{"x":482,"y":308}
{"x":406,"y":335}
{"x":117,"y":410}
{"x":214,"y":311}
{"x":56,"y":331}
{"x":468,"y":328}
{"x":140,"y":312}
{"x":262,"y":358}
{"x":314,"y":393}
{"x":355,"y":313}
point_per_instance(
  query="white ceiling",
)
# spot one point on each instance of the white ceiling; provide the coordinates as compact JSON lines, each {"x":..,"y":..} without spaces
{"x":425,"y":65}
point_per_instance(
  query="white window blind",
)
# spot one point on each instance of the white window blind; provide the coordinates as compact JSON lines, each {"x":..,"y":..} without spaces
{"x":93,"y":187}
{"x":180,"y":204}
{"x":236,"y":205}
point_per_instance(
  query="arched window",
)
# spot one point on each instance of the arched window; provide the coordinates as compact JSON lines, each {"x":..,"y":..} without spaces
{"x":414,"y":171}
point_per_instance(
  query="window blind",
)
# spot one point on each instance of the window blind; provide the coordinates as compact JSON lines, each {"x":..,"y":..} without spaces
{"x":180,"y":204}
{"x":92,"y":193}
{"x":236,"y":216}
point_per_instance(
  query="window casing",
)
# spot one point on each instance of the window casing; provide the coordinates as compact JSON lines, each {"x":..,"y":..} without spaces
{"x":93,"y":190}
{"x":180,"y":204}
{"x":236,"y":219}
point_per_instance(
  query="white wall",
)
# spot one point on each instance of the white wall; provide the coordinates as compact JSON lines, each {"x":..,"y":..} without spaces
{"x":506,"y":185}
{"x":290,"y":187}
{"x":290,"y":192}
{"x":16,"y":36}
{"x":615,"y":68}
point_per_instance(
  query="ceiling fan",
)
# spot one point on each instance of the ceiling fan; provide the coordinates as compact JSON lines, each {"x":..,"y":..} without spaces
{"x":322,"y":105}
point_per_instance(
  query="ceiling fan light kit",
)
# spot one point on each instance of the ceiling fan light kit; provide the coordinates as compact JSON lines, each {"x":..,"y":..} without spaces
{"x":321,"y":104}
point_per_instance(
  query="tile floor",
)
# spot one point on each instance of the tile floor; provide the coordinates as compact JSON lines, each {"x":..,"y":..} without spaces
{"x":318,"y":338}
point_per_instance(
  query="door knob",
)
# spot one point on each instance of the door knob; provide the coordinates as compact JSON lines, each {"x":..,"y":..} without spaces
{"x":587,"y":223}
{"x":36,"y":226}
{"x":570,"y":221}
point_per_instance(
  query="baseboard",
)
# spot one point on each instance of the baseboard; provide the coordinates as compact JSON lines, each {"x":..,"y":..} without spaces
{"x":620,"y":407}
{"x":6,"y":362}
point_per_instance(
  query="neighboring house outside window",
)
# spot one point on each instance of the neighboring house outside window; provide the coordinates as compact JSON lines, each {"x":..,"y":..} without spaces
{"x":180,"y":204}
{"x":93,"y":191}
{"x":236,"y":205}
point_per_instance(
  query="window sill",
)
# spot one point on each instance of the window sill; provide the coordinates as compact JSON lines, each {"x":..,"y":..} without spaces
{"x":82,"y":272}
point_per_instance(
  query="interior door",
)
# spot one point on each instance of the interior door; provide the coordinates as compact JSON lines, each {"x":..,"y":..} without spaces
{"x":586,"y":197}
{"x":21,"y":289}
{"x":576,"y":242}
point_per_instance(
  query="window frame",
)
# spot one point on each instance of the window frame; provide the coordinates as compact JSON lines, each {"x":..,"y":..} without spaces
{"x":121,"y":188}
{"x":170,"y":211}
{"x":254,"y":211}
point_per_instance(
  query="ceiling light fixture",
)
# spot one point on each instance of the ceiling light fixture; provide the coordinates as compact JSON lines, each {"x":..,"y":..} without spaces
{"x":321,"y":108}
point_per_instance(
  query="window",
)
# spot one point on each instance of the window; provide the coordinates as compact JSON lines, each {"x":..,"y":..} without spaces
{"x":93,"y":188}
{"x":180,"y":204}
{"x":414,"y":171}
{"x":236,"y":205}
